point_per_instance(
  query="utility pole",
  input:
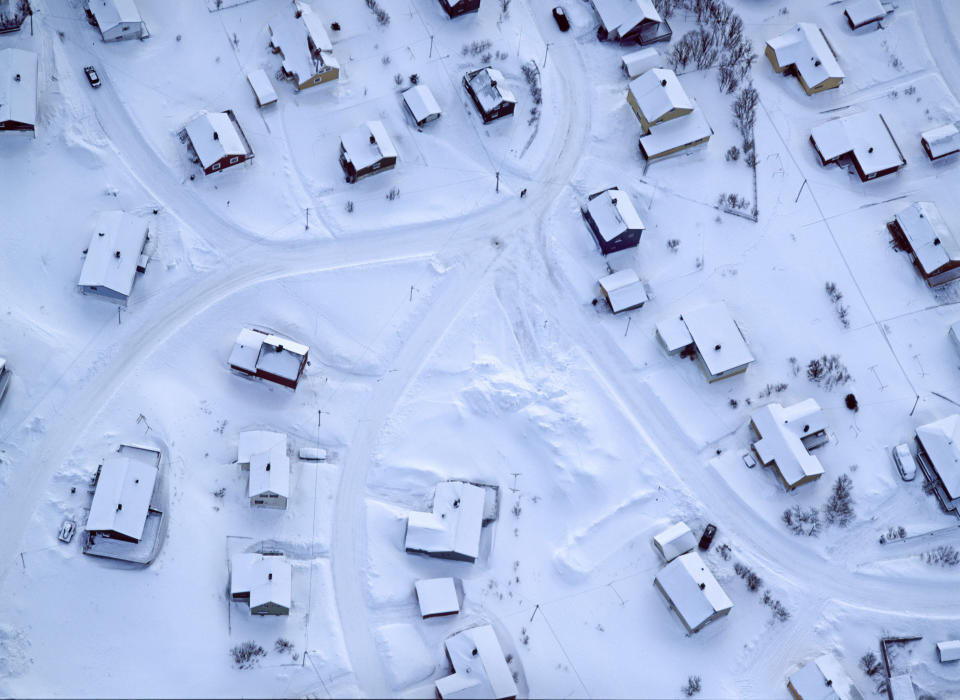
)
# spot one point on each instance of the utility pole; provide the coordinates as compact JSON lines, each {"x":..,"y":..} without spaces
{"x":498,"y":181}
{"x":431,"y":47}
{"x":308,"y":220}
{"x":545,"y":53}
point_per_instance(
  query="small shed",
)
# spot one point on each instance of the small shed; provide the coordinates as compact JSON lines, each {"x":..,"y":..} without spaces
{"x":639,"y":62}
{"x":117,"y":19}
{"x":624,"y":291}
{"x":421,"y":104}
{"x":262,"y":87}
{"x":901,"y":687}
{"x":675,"y":540}
{"x":949,"y":650}
{"x":941,"y":141}
{"x":861,"y":13}
{"x":439,"y":597}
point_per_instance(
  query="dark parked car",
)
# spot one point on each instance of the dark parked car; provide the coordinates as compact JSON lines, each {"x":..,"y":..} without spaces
{"x":561,"y":19}
{"x":707,"y":538}
{"x":92,"y":76}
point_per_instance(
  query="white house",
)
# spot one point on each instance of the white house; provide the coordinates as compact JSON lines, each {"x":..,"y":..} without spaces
{"x":421,"y":104}
{"x":804,"y":51}
{"x":117,"y":19}
{"x":452,"y":529}
{"x":630,"y":21}
{"x":822,"y":679}
{"x":692,"y":591}
{"x":114,"y":256}
{"x":613,"y":220}
{"x":269,"y":485}
{"x":438,"y":597}
{"x":675,"y":540}
{"x":217,"y":141}
{"x":623,"y":290}
{"x":713,"y":335}
{"x":637,"y":63}
{"x":860,"y":13}
{"x":366,"y":149}
{"x":938,"y":453}
{"x":121,"y":502}
{"x":949,"y":650}
{"x":301,"y":39}
{"x":489,"y":92}
{"x":263,"y":580}
{"x":18,"y":90}
{"x":941,"y":141}
{"x":262,"y":88}
{"x":922,"y":231}
{"x":785,"y":436}
{"x":260,"y":354}
{"x":480,"y":669}
{"x":863,"y":138}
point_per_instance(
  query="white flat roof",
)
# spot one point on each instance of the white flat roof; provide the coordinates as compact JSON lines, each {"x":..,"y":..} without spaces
{"x":114,"y":232}
{"x":449,"y":528}
{"x":930,"y":240}
{"x":692,"y":588}
{"x":711,"y":326}
{"x":270,"y":473}
{"x":674,"y":541}
{"x":366,"y":144}
{"x":942,"y":140}
{"x":863,"y":134}
{"x":657,"y":92}
{"x":437,"y":596}
{"x":18,"y":97}
{"x":781,"y":432}
{"x":624,"y":290}
{"x":480,"y":669}
{"x":214,"y":136}
{"x":941,"y":441}
{"x":824,"y":679}
{"x":421,"y":102}
{"x":805,"y":47}
{"x":122,"y":498}
{"x":110,"y":13}
{"x":676,"y":133}
{"x":863,"y":11}
{"x":262,"y":87}
{"x":490,"y":87}
{"x":266,"y":578}
{"x":613,"y":213}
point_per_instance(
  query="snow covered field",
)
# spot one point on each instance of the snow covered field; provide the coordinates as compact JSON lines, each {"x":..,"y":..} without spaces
{"x":454,"y":333}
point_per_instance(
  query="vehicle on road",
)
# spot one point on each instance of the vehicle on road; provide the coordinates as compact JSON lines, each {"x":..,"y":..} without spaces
{"x":906,"y":464}
{"x":67,"y":530}
{"x":560,"y":17}
{"x":706,"y":539}
{"x":92,"y":76}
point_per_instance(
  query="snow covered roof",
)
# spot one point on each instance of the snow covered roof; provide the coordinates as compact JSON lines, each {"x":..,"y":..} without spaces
{"x":270,"y":473}
{"x":674,"y":541}
{"x":657,"y":92}
{"x":214,"y":135}
{"x":122,"y":499}
{"x":251,"y":442}
{"x":437,"y":596}
{"x":692,"y":589}
{"x":930,"y":240}
{"x":619,"y":17}
{"x":805,"y":47}
{"x":367,"y":144}
{"x":453,"y":527}
{"x":674,"y":334}
{"x":901,"y":687}
{"x":949,"y":650}
{"x":781,"y":431}
{"x":613,"y":213}
{"x":262,"y":87}
{"x":863,"y":12}
{"x":18,"y":86}
{"x":941,"y":442}
{"x":824,"y":679}
{"x":638,"y":62}
{"x":114,"y":252}
{"x":303,"y":41}
{"x":864,"y":135}
{"x":624,"y":290}
{"x":266,"y":578}
{"x":421,"y":102}
{"x":717,"y":337}
{"x":676,"y":133}
{"x":110,"y":13}
{"x":942,"y":140}
{"x":480,"y":669}
{"x":490,"y":87}
{"x":255,"y":351}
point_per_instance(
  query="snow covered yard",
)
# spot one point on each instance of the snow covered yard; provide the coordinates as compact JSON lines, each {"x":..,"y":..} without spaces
{"x":457,"y":332}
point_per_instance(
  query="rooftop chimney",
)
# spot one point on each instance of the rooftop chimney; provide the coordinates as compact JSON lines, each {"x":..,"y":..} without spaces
{"x":280,"y":348}
{"x":119,"y":507}
{"x":717,"y":346}
{"x":116,"y":254}
{"x":870,"y":150}
{"x":936,"y":241}
{"x":373,"y":139}
{"x":703,"y":586}
{"x":816,"y":63}
{"x":101,"y":234}
{"x":269,"y":577}
{"x":268,"y":466}
{"x":216,"y":136}
{"x":663,"y":82}
{"x":17,"y":77}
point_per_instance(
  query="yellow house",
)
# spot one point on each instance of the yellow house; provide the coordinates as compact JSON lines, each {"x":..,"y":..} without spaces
{"x":656,"y":97}
{"x":804,"y":51}
{"x":307,"y":52}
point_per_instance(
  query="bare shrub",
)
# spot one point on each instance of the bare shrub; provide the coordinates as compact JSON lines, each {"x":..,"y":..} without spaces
{"x":692,"y":687}
{"x":828,"y":371}
{"x":803,"y":522}
{"x":247,"y":655}
{"x":944,"y":555}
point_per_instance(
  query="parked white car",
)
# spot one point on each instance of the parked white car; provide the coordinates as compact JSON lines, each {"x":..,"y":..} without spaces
{"x":4,"y":377}
{"x":906,"y":464}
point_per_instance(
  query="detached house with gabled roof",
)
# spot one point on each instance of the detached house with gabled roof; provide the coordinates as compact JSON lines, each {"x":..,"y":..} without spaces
{"x":938,"y":454}
{"x":18,"y":90}
{"x":785,"y":437}
{"x":263,"y":453}
{"x":860,"y":13}
{"x":941,"y":141}
{"x":122,"y":499}
{"x":421,"y":104}
{"x":630,"y":21}
{"x":822,"y":679}
{"x":613,"y":220}
{"x":804,"y":51}
{"x":115,"y":256}
{"x":366,"y":149}
{"x":216,"y":141}
{"x":710,"y":333}
{"x":920,"y":230}
{"x":480,"y":668}
{"x":452,"y":529}
{"x":862,"y":138}
{"x":263,"y":580}
{"x":455,"y":8}
{"x":260,"y":354}
{"x":656,"y":97}
{"x":691,"y":590}
{"x":117,"y":19}
{"x":301,"y":39}
{"x":490,"y":94}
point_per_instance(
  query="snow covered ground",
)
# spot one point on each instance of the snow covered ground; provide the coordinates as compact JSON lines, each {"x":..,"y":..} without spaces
{"x":453,"y":335}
